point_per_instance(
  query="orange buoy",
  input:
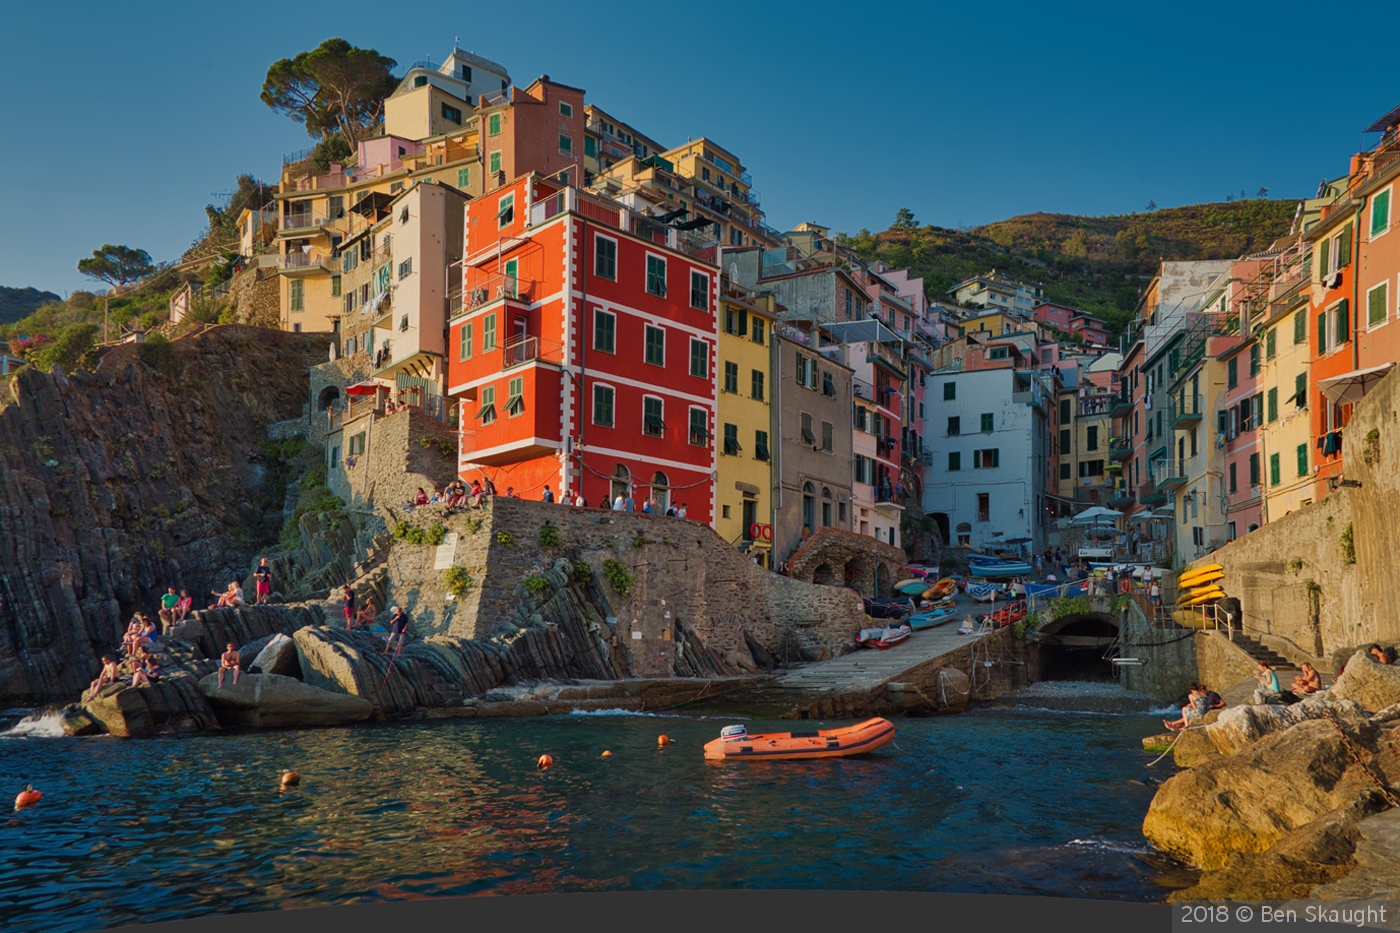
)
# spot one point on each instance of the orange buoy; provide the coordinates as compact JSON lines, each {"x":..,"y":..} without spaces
{"x":662,"y":741}
{"x":544,"y":763}
{"x":290,"y":779}
{"x":606,"y":753}
{"x":27,"y":797}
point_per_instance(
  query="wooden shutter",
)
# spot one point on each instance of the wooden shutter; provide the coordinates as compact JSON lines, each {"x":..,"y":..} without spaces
{"x":1322,"y":265}
{"x":1344,"y":248}
{"x":1322,"y":333}
{"x":1343,"y":322}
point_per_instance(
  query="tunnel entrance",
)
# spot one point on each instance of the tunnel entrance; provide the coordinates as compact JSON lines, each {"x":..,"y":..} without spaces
{"x":1078,"y":648}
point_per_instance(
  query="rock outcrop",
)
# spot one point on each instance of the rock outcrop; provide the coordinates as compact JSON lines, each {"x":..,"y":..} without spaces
{"x":278,"y":656}
{"x":118,"y":483}
{"x":1374,"y":686}
{"x":172,"y":704}
{"x":271,"y":700}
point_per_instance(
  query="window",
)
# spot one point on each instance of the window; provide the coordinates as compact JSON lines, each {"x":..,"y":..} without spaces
{"x":807,"y":434}
{"x":1274,"y":470}
{"x":1254,"y":469}
{"x":466,"y":341}
{"x":1091,"y":438}
{"x":350,"y":260}
{"x":1380,"y":213}
{"x":988,"y":459}
{"x":731,"y":377}
{"x":1064,"y":440}
{"x":566,"y":144}
{"x":452,"y":114}
{"x":381,"y":279}
{"x":699,"y":427}
{"x":1300,"y":327}
{"x":1064,"y":471}
{"x":464,"y":177}
{"x":605,"y":331}
{"x":297,"y":299}
{"x":827,"y":433}
{"x":566,"y":109}
{"x":862,"y":419}
{"x":405,"y":268}
{"x":1302,"y":459}
{"x":603,"y":406}
{"x":651,"y":417}
{"x":809,"y":507}
{"x":1272,"y":405}
{"x":950,"y":391}
{"x":699,"y":358}
{"x":828,"y":385}
{"x":505,"y":212}
{"x":954,"y":426}
{"x":1065,"y":412}
{"x":605,"y":258}
{"x":515,"y":402}
{"x":493,"y":126}
{"x":486,"y":411}
{"x":1232,"y":372}
{"x":955,"y":461}
{"x":1300,"y":390}
{"x":1271,"y":343}
{"x":987,"y":420}
{"x":656,"y":276}
{"x":984,"y":507}
{"x":760,"y":445}
{"x":1089,"y":468}
{"x":756,"y":385}
{"x":488,"y":332}
{"x":998,"y":353}
{"x":1254,"y":359}
{"x":806,"y":372}
{"x":699,"y":290}
{"x":494,"y":162}
{"x":735,"y":320}
{"x":731,"y":439}
{"x":655,"y":346}
{"x":335,"y":286}
{"x":1378,"y":305}
{"x":757,"y":323}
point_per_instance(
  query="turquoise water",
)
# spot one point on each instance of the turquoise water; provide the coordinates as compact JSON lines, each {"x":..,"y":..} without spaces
{"x":992,"y":801}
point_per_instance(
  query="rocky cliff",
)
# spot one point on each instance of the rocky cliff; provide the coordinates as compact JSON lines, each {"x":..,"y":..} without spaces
{"x":117,"y":483}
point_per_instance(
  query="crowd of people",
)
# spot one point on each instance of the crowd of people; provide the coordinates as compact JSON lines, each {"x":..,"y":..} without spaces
{"x":458,"y":496}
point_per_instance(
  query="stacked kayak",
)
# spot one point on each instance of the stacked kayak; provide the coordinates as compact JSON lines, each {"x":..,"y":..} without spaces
{"x":1200,"y":585}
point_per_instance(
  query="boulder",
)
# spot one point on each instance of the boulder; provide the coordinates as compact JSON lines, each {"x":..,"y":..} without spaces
{"x":1374,"y":686}
{"x":1194,"y":748}
{"x":1238,"y":727}
{"x":172,"y":704}
{"x":1246,"y":802}
{"x":76,"y":721}
{"x":263,"y":700}
{"x":353,"y":663}
{"x":952,"y":690}
{"x":279,"y":656}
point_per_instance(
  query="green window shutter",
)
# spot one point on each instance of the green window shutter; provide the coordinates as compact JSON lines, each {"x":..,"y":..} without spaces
{"x":950,"y":391}
{"x":1300,"y":389}
{"x":494,"y":124}
{"x":488,"y":332}
{"x":464,"y":177}
{"x":1380,"y":213}
{"x":1300,"y":327}
{"x":1254,"y":359}
{"x":1322,"y":251}
{"x":1376,"y":300}
{"x":1343,"y":322}
{"x":1270,"y":343}
{"x":1344,"y":248}
{"x":1302,"y":459}
{"x":1273,"y":405}
{"x":987,"y":420}
{"x":495,"y":162}
{"x":954,"y":461}
{"x":1322,"y":333}
{"x":1273,"y":470}
{"x":1254,"y":469}
{"x":1232,"y":372}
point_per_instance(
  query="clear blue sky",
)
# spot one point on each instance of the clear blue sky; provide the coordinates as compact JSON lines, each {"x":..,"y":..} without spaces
{"x":120,"y":126}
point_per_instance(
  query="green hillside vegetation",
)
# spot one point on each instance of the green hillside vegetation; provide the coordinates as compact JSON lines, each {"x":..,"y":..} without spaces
{"x":1096,"y":264}
{"x":15,"y":303}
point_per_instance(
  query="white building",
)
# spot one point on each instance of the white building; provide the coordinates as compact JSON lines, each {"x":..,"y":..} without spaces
{"x":1000,"y":292}
{"x":988,"y":436}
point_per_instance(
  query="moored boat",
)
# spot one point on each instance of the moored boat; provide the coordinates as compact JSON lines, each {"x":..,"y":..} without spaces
{"x":922,"y":620}
{"x":863,"y":737}
{"x":882,"y":638}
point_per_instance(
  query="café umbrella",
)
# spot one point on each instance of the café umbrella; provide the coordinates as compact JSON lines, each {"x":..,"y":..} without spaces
{"x":1098,"y":515}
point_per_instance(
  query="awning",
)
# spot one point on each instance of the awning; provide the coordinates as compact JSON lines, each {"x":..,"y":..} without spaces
{"x":363,"y":388}
{"x":1349,"y":389}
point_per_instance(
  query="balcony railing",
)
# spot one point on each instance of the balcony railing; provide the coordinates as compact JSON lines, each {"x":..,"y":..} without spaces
{"x":1168,"y":474}
{"x":300,"y":259}
{"x":1184,"y":408}
{"x":521,"y":350}
{"x":498,"y":287}
{"x":1119,"y":448}
{"x":304,"y":220}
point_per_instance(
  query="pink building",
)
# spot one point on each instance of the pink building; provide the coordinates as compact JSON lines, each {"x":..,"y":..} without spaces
{"x":1240,"y":417}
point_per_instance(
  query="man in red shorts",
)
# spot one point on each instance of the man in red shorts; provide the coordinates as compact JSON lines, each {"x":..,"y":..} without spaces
{"x":262,"y":578}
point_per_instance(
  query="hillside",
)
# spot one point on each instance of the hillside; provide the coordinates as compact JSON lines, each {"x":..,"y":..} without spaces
{"x":1098,"y":264}
{"x":16,"y":303}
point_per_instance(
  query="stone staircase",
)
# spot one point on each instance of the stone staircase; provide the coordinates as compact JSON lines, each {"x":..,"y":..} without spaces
{"x":370,"y":576}
{"x":1259,"y":652}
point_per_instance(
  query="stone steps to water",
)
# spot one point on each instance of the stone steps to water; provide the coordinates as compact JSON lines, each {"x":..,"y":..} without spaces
{"x":1259,"y":652}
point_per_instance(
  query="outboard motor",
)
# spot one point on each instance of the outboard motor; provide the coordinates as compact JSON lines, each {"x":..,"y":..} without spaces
{"x":734,"y":733}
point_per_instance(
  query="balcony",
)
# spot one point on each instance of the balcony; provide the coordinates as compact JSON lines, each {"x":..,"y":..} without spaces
{"x":1119,"y":448}
{"x":313,"y":261}
{"x":500,"y":288}
{"x":303,"y":220}
{"x":1120,"y":498}
{"x":521,"y":350}
{"x":1184,"y":409}
{"x":1169,"y":474}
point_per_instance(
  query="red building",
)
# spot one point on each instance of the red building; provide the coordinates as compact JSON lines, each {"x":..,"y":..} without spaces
{"x":583,"y":350}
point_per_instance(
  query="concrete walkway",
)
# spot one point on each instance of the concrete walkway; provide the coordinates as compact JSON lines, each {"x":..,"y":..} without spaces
{"x":868,"y":669}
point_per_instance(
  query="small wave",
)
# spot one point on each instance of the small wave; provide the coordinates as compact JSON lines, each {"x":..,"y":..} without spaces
{"x":1104,"y":845}
{"x":624,"y":712}
{"x":1173,"y":711}
{"x":46,"y":724}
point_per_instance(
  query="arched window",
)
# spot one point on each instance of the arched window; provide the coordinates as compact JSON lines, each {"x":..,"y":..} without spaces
{"x":809,"y":507}
{"x":1253,"y":527}
{"x":622,"y":481}
{"x":329,"y":396}
{"x":660,"y":492}
{"x":964,"y":534}
{"x":826,"y":507}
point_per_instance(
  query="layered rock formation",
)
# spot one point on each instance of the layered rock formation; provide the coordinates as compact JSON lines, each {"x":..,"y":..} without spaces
{"x":118,"y":483}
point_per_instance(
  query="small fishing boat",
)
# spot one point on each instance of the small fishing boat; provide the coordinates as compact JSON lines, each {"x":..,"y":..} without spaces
{"x":985,"y":592}
{"x":734,"y":742}
{"x":1020,"y":569}
{"x":922,"y":620}
{"x":1010,"y":615}
{"x":942,"y":589}
{"x":1077,"y":588}
{"x":911,"y":587}
{"x":882,"y":638}
{"x":888,"y":608}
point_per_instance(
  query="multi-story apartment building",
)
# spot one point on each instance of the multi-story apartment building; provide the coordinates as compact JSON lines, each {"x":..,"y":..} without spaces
{"x":744,"y":477}
{"x":722,"y":192}
{"x":1284,"y":381}
{"x":539,"y":128}
{"x":1085,"y":471}
{"x":998,"y":291}
{"x":436,"y":100}
{"x":608,"y":141}
{"x":583,"y":353}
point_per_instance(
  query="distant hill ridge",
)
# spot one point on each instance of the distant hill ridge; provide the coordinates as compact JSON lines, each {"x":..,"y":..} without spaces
{"x":17,"y":303}
{"x":1097,"y":264}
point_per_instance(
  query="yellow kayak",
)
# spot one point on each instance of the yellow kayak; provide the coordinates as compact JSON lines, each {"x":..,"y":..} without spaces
{"x":1206,"y":579}
{"x":1205,"y":598}
{"x":1188,"y":577}
{"x":1197,"y":593}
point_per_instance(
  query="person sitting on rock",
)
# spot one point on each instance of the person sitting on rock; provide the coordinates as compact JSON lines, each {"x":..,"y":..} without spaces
{"x":149,"y":633}
{"x":1216,"y":701}
{"x":1378,"y":654}
{"x":230,"y":661}
{"x":183,"y":607}
{"x":1307,"y":682}
{"x":1193,"y":712}
{"x":139,"y":675}
{"x":132,"y":636}
{"x":108,"y":675}
{"x":366,"y":615}
{"x":421,"y":498}
{"x":1269,"y":689}
{"x":168,"y":602}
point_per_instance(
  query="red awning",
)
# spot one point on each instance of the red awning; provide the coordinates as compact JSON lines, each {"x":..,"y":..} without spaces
{"x":363,"y":388}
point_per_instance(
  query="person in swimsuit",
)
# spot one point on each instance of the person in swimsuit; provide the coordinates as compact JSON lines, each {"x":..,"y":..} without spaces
{"x":262,"y":578}
{"x":109,"y":674}
{"x":365,"y":617}
{"x":347,"y":594}
{"x":230,"y":661}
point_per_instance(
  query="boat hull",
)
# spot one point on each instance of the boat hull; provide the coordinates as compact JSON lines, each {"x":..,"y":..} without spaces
{"x":921,"y":621}
{"x":848,"y":741}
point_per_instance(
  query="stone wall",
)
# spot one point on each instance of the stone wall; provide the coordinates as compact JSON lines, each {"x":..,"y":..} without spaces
{"x":1168,"y":656}
{"x":836,"y":557}
{"x":255,"y":297}
{"x":395,"y":463}
{"x":689,"y":584}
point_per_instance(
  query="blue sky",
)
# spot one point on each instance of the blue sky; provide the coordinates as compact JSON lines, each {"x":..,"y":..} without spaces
{"x":121,"y":126}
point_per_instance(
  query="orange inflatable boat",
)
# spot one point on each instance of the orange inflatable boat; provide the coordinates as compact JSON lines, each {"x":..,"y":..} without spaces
{"x":734,"y":742}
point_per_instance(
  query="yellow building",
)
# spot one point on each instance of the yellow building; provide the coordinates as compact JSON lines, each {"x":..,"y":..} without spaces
{"x":1086,"y":472}
{"x":745,"y":443}
{"x":994,"y":323}
{"x":1283,"y":380}
{"x":723,"y":193}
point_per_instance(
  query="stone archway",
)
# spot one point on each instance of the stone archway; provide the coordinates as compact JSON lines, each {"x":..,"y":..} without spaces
{"x":824,"y":575}
{"x":883,"y":584}
{"x":328,"y":397}
{"x":1077,"y":647}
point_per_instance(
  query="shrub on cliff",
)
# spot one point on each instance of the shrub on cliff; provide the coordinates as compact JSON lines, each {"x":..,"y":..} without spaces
{"x":67,"y":349}
{"x":159,"y":353}
{"x":619,"y":577}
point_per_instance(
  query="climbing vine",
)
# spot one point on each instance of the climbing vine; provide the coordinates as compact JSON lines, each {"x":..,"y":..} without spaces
{"x":505,"y":538}
{"x":619,"y":577}
{"x":1070,"y":606}
{"x":582,"y":572}
{"x":434,"y":535}
{"x":404,"y":531}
